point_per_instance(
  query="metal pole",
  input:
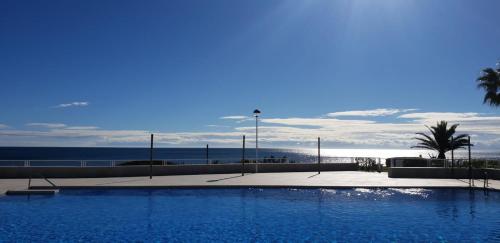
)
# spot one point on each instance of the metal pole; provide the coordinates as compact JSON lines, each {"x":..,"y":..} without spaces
{"x":471,"y":181}
{"x":256,"y":138}
{"x":206,"y":154}
{"x":452,"y":148}
{"x":243,"y":158}
{"x":151,"y":159}
{"x":319,"y":156}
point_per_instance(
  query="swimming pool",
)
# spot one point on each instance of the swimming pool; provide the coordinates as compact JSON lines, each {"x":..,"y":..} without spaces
{"x":187,"y":215}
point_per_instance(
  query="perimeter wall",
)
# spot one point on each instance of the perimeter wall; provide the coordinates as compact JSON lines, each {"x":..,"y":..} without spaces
{"x":443,"y":173}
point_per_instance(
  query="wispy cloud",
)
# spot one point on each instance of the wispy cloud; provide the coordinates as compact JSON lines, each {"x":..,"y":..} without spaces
{"x":76,"y":103}
{"x":82,"y":128}
{"x":234,"y":117}
{"x":46,"y":125}
{"x":3,"y":126}
{"x":397,"y":132}
{"x":60,"y":126}
{"x":213,"y":125}
{"x":448,"y":116}
{"x":374,"y":112}
{"x":237,"y":119}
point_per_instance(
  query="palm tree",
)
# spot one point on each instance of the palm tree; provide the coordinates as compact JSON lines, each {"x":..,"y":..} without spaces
{"x":490,"y":82}
{"x":440,"y":140}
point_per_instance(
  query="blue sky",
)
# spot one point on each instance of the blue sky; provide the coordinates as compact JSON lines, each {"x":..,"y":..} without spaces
{"x":106,"y":73}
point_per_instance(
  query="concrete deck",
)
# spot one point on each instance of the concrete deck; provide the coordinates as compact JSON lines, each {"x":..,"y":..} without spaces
{"x":338,"y":179}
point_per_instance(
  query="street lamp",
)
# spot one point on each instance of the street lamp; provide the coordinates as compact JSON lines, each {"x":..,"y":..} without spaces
{"x":256,"y":113}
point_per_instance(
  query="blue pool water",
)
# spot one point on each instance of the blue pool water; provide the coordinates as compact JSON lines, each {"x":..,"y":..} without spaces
{"x":257,"y":215}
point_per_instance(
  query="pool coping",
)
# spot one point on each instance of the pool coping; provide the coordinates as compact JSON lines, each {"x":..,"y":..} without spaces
{"x":258,"y":186}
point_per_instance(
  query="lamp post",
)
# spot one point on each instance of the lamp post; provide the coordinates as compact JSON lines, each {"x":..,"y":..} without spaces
{"x":256,"y":113}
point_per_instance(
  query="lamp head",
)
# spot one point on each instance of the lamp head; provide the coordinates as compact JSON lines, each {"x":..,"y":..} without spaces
{"x":256,"y":112}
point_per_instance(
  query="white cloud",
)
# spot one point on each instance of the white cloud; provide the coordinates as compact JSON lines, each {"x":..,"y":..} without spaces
{"x":448,"y":116}
{"x":314,"y":122}
{"x":363,"y":132}
{"x":3,"y":126}
{"x":213,"y":125}
{"x":82,"y":128}
{"x":234,"y":117}
{"x":237,"y":119}
{"x":46,"y":125}
{"x":76,"y":103}
{"x":273,"y":132}
{"x":374,"y":112}
{"x":58,"y":135}
{"x":60,"y":126}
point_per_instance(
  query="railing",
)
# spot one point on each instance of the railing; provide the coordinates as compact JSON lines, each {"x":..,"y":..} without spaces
{"x":166,"y":162}
{"x":362,"y":161}
{"x":60,"y":163}
{"x":486,"y":163}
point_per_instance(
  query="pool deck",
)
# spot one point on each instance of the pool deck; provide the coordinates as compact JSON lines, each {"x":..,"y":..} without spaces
{"x":338,"y":179}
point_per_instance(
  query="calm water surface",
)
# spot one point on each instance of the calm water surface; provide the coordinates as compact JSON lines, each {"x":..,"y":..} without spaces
{"x":253,"y":215}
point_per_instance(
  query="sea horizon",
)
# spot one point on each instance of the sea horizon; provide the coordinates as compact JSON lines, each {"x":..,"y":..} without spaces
{"x":199,"y":153}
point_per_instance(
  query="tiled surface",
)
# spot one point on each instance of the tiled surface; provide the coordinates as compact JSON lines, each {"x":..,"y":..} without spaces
{"x":325,"y":179}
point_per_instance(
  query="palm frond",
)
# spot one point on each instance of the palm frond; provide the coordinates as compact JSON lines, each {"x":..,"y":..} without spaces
{"x":489,"y":81}
{"x":440,"y":138}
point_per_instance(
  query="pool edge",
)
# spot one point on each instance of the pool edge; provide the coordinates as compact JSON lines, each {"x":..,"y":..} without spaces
{"x":258,"y":186}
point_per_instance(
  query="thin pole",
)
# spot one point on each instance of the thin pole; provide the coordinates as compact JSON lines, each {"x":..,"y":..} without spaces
{"x":243,"y":158}
{"x":151,"y":159}
{"x":206,"y":154}
{"x":319,"y":156}
{"x":452,"y":148}
{"x":256,"y":138}
{"x":471,"y":181}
